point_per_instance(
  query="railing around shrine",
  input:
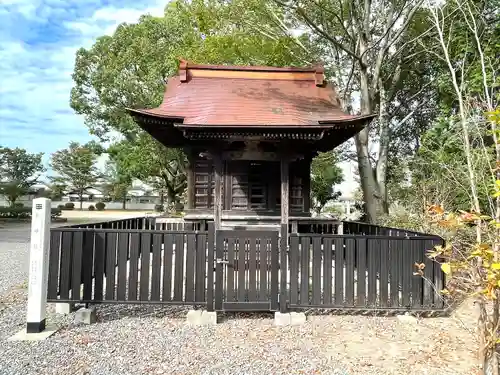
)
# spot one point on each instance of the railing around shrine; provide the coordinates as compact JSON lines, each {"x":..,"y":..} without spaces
{"x":367,"y":272}
{"x":144,"y":260}
{"x":129,"y":265}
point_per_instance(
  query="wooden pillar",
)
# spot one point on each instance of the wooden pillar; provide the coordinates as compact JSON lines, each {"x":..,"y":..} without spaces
{"x":218,"y":192}
{"x":285,"y":189}
{"x":306,"y":187}
{"x":190,"y":180}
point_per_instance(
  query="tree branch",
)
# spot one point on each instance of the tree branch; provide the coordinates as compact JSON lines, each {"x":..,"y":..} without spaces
{"x":325,"y":35}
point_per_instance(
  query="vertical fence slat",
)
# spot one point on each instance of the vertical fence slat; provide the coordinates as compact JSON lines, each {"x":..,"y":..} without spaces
{"x":263,"y":264}
{"x":373,"y":254}
{"x":87,"y":264}
{"x":361,"y":272}
{"x":99,"y":263}
{"x":439,"y":279}
{"x":429,"y":294}
{"x":327,"y":271}
{"x":210,"y":266}
{"x":305,"y":245}
{"x":294,"y":269}
{"x":339,"y":271}
{"x":219,"y":254}
{"x":123,"y":254}
{"x":384,"y":272}
{"x":201,"y":248}
{"x":65,"y":280}
{"x":283,"y":267}
{"x":156,"y":267}
{"x":417,"y":252}
{"x":252,"y":269}
{"x":394,"y":273}
{"x":135,"y":244}
{"x":190,"y":267}
{"x":274,"y":249}
{"x":145,"y":256}
{"x":168,"y":263}
{"x":349,"y":270}
{"x":55,"y":249}
{"x":406,"y":270}
{"x":179,"y":267}
{"x":76,"y":274}
{"x":229,"y":270}
{"x":110,"y":265}
{"x":316,"y":271}
{"x":242,"y":243}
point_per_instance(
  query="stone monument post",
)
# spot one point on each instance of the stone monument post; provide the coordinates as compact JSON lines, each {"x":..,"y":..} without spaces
{"x":39,"y":265}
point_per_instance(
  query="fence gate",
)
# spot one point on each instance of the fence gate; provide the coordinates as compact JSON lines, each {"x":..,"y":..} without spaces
{"x":247,"y":266}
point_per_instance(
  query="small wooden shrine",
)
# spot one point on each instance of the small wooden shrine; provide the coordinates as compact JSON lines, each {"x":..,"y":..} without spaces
{"x":249,"y":133}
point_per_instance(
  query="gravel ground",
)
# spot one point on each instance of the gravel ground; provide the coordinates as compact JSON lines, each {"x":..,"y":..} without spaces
{"x":14,"y":258}
{"x":156,"y":340}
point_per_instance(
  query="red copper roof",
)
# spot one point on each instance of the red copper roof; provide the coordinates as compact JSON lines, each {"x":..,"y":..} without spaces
{"x":249,"y":96}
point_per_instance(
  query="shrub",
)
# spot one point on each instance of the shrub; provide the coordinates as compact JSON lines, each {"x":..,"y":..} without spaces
{"x":23,"y":212}
{"x":91,"y":208}
{"x":100,"y":206}
{"x":158,"y":207}
{"x":69,"y":206}
{"x":18,"y":205}
{"x":60,"y":206}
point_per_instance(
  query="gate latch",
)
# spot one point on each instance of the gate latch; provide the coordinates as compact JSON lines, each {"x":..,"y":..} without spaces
{"x":221,"y":261}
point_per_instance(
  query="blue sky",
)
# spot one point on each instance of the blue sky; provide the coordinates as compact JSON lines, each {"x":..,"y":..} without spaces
{"x":38,"y":41}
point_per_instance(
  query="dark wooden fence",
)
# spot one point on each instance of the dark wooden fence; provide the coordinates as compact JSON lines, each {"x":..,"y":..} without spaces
{"x":139,"y":261}
{"x":131,"y":223}
{"x":93,"y":265}
{"x":354,"y":227}
{"x":362,"y":272}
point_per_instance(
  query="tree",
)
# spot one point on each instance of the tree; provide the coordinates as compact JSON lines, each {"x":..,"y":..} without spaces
{"x":118,"y":175}
{"x":57,"y":190}
{"x":149,"y":161}
{"x":369,"y":48}
{"x":457,"y":168}
{"x":19,"y":171}
{"x":325,"y":174}
{"x":76,"y":168}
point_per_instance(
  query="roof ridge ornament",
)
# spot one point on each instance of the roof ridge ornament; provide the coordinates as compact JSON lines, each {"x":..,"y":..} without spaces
{"x":320,"y":74}
{"x":183,"y":67}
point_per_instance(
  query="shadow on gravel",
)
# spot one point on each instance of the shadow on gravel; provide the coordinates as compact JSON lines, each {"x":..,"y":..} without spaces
{"x":108,"y":312}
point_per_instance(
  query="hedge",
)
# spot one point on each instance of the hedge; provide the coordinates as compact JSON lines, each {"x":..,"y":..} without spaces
{"x":23,"y":212}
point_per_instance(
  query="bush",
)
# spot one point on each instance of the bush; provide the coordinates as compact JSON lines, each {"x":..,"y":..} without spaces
{"x":23,"y":212}
{"x":69,"y":206}
{"x":100,"y":206}
{"x":60,"y":206}
{"x":158,"y":207}
{"x":18,"y":205}
{"x":91,"y":208}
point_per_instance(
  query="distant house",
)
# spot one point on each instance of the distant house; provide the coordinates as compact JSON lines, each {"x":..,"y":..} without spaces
{"x":138,"y":193}
{"x":91,"y":194}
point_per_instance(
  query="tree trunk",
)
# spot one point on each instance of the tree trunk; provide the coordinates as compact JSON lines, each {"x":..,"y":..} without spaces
{"x":385,"y":135}
{"x":81,"y":202}
{"x":12,"y":200}
{"x":371,"y":194}
{"x":124,"y":203}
